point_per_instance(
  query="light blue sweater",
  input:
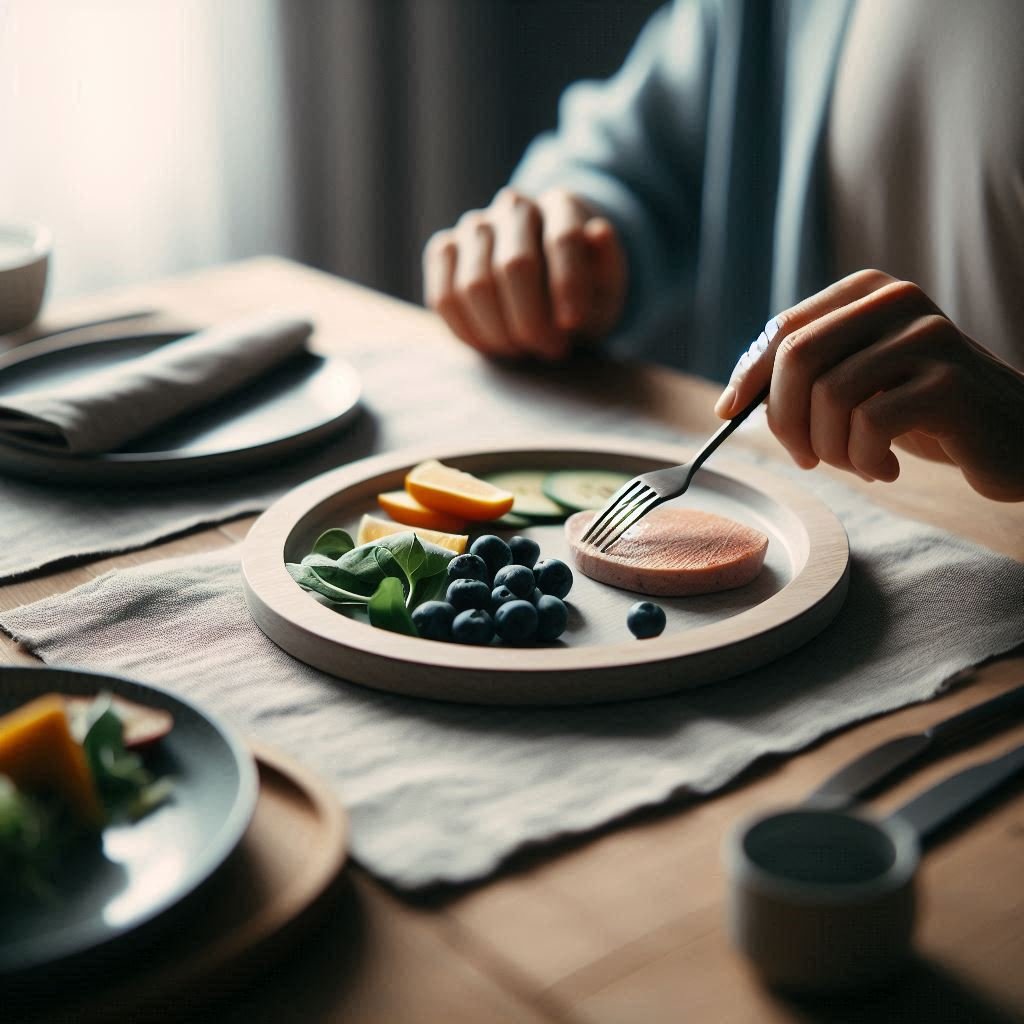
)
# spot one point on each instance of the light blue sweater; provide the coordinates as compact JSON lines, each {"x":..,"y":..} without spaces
{"x":705,"y":151}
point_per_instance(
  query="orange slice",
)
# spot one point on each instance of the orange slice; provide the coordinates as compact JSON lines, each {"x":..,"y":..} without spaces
{"x":38,"y":752}
{"x":450,"y":490}
{"x":404,"y":508}
{"x":373,"y":528}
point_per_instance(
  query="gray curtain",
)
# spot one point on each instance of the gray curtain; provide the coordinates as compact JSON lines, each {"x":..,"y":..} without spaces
{"x":405,"y":113}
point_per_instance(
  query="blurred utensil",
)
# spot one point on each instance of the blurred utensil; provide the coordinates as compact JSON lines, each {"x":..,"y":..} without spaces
{"x":883,"y":761}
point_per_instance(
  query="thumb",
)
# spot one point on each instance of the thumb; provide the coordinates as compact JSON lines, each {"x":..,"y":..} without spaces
{"x":609,"y":275}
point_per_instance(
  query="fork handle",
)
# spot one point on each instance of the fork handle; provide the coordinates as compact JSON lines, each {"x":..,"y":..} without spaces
{"x":727,"y":428}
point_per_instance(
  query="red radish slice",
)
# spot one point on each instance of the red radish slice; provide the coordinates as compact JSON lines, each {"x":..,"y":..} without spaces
{"x":142,"y":725}
{"x":672,"y":552}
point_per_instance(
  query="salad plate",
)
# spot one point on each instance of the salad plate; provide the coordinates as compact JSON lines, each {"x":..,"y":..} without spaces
{"x":708,"y":638}
{"x":139,"y":870}
{"x":304,"y":401}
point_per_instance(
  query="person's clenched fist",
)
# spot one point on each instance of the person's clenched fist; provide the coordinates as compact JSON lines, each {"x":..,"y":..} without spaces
{"x":527,"y":277}
{"x":871,"y":363}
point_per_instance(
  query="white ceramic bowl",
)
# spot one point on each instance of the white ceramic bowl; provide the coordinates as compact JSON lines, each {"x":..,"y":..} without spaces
{"x":24,"y":265}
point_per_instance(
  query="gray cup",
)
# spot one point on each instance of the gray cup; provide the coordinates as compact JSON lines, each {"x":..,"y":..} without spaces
{"x":822,"y":900}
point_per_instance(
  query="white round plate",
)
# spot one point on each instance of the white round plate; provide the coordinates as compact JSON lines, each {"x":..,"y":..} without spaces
{"x":707,"y":638}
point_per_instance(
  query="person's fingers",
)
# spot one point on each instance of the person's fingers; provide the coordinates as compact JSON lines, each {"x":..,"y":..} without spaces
{"x":805,"y":354}
{"x":519,"y":271}
{"x":476,"y":287}
{"x":874,"y":424}
{"x":879,"y":367}
{"x":754,"y":368}
{"x":440,"y":257}
{"x":568,"y":261}
{"x":609,"y":274}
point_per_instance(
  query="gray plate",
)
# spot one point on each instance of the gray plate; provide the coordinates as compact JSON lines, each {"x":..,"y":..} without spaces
{"x":303,"y":401}
{"x":144,"y":869}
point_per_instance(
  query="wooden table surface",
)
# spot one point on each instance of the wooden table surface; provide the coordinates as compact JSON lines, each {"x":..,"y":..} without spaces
{"x":625,"y":925}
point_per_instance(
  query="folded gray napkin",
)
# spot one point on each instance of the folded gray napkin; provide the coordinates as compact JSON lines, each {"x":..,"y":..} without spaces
{"x":101,"y":411}
{"x":443,"y":793}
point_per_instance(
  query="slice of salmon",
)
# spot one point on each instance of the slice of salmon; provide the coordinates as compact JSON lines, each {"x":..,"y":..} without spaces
{"x":672,"y":552}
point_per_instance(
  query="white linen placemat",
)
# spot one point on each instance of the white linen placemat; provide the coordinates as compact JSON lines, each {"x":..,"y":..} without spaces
{"x":443,"y":793}
{"x":100,"y":411}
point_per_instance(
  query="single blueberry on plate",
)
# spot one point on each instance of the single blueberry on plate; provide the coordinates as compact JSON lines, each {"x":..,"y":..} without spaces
{"x":645,"y":619}
{"x":468,"y":567}
{"x":525,"y":551}
{"x":517,"y":578}
{"x":473,"y":626}
{"x":493,"y":550}
{"x":553,"y":577}
{"x":500,"y":596}
{"x":463,"y":594}
{"x":433,"y":620}
{"x":552,"y":618}
{"x":516,"y":622}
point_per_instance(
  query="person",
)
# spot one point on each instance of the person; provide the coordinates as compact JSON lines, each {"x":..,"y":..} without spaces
{"x":753,"y":156}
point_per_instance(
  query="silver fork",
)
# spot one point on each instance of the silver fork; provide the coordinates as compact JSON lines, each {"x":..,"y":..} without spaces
{"x":635,"y":498}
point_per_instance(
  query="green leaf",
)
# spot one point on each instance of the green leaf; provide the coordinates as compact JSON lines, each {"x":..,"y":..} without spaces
{"x":435,"y":560}
{"x":306,"y":578}
{"x":387,"y":608}
{"x":407,"y":549}
{"x":333,"y":544}
{"x":431,"y":588}
{"x":314,"y":560}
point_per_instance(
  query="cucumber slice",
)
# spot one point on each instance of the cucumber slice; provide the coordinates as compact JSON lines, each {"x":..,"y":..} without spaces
{"x":579,"y":489}
{"x":527,"y":486}
{"x":510,"y":521}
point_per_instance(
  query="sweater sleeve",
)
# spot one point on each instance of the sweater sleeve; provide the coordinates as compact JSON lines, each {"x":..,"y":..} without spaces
{"x":633,"y":146}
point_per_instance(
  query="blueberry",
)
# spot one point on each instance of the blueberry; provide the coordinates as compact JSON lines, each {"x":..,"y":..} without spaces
{"x":552,"y":618}
{"x":493,"y":550}
{"x":516,"y":622}
{"x":517,"y":578}
{"x":645,"y":619}
{"x":463,"y":594}
{"x":524,"y":551}
{"x":473,"y":626}
{"x":501,"y":595}
{"x":433,"y":620}
{"x":553,"y":577}
{"x":468,"y":567}
{"x":535,"y":595}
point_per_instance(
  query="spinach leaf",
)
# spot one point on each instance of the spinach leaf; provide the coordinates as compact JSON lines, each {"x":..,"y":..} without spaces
{"x":309,"y":580}
{"x":125,"y":787}
{"x":391,"y":567}
{"x":407,"y":550}
{"x":333,"y":544}
{"x":435,"y":560}
{"x":432,"y":588}
{"x":313,"y":559}
{"x":387,"y":608}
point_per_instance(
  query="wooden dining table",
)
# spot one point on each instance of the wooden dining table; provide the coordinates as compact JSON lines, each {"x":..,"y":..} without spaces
{"x":626,"y":924}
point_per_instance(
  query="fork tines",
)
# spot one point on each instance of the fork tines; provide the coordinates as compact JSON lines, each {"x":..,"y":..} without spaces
{"x":629,"y":503}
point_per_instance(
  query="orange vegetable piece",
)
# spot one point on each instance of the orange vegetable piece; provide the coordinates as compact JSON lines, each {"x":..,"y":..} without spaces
{"x":460,"y":494}
{"x":404,"y":508}
{"x":38,"y":753}
{"x":373,"y":528}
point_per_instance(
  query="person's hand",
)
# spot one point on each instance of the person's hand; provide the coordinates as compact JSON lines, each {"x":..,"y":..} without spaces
{"x":527,"y":277}
{"x":870,"y":362}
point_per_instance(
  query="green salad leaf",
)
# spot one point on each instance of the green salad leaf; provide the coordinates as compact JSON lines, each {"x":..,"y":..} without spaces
{"x":398,"y":568}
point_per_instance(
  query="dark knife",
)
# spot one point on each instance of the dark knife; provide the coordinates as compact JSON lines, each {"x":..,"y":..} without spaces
{"x":872,"y":768}
{"x":938,"y":806}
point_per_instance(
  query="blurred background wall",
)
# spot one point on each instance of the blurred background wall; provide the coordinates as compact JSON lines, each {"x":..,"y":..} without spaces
{"x":160,"y":135}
